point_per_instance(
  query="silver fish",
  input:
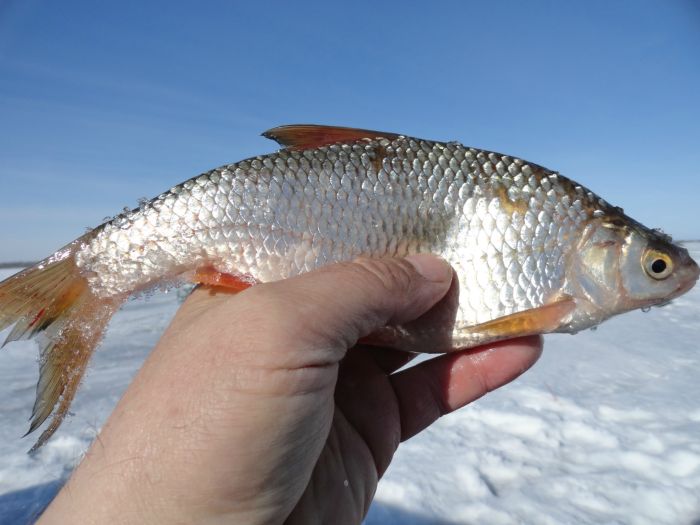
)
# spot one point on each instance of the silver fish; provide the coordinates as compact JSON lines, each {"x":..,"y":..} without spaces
{"x":533,"y":251}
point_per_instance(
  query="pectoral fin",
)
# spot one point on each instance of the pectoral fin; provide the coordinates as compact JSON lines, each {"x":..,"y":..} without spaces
{"x":541,"y":320}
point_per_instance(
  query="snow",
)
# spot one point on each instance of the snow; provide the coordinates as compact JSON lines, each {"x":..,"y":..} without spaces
{"x":604,"y":429}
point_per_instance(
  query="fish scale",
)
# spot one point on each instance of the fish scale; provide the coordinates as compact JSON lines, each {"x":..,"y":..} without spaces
{"x":532,"y":251}
{"x":291,"y":212}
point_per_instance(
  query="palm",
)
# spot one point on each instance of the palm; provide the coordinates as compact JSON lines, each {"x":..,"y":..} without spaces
{"x":364,"y":435}
{"x":376,"y":409}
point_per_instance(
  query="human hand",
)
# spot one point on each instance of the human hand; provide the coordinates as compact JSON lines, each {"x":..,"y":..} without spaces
{"x":259,"y":408}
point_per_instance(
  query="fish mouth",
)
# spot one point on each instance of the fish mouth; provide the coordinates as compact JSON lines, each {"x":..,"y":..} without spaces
{"x":692,"y":273}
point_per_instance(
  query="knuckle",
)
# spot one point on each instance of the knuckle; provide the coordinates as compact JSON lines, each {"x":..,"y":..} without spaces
{"x":394,"y":275}
{"x":438,"y":396}
{"x":481,"y":378}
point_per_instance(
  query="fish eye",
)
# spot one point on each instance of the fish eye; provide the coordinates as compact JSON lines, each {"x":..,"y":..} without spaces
{"x":657,"y":265}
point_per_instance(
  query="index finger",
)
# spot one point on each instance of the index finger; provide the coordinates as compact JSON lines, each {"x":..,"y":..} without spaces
{"x":445,"y":383}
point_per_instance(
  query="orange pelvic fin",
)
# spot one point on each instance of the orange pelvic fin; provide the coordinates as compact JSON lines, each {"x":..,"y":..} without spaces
{"x":307,"y":136}
{"x":53,"y":299}
{"x":540,"y":320}
{"x":210,"y":276}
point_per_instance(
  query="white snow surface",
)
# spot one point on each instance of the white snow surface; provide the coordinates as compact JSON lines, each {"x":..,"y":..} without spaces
{"x":604,"y":429}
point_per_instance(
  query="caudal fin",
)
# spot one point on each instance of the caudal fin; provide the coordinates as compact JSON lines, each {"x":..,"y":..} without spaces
{"x":53,"y":300}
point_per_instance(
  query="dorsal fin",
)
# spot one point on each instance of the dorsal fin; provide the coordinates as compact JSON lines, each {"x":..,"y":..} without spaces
{"x":306,"y":136}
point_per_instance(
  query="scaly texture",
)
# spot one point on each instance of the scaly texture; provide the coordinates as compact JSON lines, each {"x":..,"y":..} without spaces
{"x":504,"y":224}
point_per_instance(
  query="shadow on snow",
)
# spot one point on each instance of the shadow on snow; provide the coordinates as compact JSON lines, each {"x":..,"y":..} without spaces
{"x":385,"y":514}
{"x":24,"y":506}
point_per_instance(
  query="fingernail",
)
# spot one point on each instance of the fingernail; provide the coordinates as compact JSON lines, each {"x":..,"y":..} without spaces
{"x":431,"y":267}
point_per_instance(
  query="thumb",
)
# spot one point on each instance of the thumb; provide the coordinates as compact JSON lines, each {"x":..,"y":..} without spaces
{"x":359,"y":297}
{"x":334,"y":306}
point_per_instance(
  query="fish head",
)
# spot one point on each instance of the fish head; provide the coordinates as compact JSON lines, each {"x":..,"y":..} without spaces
{"x":654,"y":270}
{"x":621,"y":265}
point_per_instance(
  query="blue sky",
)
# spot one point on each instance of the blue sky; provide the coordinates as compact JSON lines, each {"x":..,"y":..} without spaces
{"x":102,"y":103}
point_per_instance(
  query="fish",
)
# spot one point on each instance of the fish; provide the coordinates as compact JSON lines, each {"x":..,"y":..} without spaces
{"x":533,"y":252}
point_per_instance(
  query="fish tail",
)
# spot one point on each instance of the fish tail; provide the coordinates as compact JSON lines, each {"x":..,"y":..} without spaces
{"x":54,"y":301}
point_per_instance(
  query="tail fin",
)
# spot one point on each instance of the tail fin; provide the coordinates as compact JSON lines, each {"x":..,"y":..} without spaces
{"x":53,"y":299}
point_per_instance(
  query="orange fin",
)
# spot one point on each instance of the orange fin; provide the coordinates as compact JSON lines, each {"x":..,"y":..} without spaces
{"x":210,"y":276}
{"x":53,"y":299}
{"x":436,"y":331}
{"x":64,"y":359}
{"x":306,"y":136}
{"x":543,"y":319}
